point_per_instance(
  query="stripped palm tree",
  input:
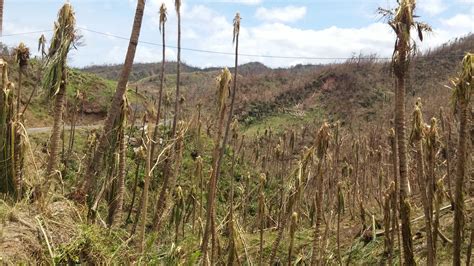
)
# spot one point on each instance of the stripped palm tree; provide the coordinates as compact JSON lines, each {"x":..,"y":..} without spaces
{"x":223,"y":82}
{"x":9,"y":180}
{"x":463,"y":88}
{"x":417,"y":137}
{"x":42,"y":48}
{"x":322,"y":143}
{"x":42,"y":45}
{"x":163,"y":195}
{"x":94,"y":168}
{"x":55,"y":79}
{"x":22,"y":55}
{"x":218,"y":163}
{"x":1,"y":16}
{"x":402,"y":22}
{"x":177,"y":5}
{"x":118,"y":183}
{"x":163,"y":18}
{"x":164,"y":189}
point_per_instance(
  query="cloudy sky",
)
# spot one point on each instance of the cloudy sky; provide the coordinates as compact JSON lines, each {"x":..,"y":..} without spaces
{"x":288,"y":28}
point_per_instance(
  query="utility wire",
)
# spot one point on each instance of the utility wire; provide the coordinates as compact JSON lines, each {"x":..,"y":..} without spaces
{"x":230,"y":53}
{"x":223,"y":53}
{"x":254,"y":55}
{"x":24,"y":33}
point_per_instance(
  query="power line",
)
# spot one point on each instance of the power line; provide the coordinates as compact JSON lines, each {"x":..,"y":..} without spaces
{"x":25,"y":33}
{"x":228,"y":53}
{"x":250,"y":55}
{"x":219,"y":52}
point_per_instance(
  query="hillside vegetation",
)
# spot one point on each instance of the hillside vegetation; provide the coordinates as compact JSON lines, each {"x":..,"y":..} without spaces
{"x":365,"y":162}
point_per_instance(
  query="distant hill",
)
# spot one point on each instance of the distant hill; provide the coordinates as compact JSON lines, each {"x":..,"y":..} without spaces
{"x":145,"y":70}
{"x":356,"y":92}
{"x":139,"y":71}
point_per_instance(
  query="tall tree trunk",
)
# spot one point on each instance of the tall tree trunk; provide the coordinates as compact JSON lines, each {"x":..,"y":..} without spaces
{"x":212,"y":186}
{"x":178,"y":76}
{"x":425,"y":201}
{"x":316,"y":249}
{"x":18,"y":158}
{"x":56,"y":131}
{"x":134,"y":193}
{"x":160,"y":96}
{"x":95,"y":166}
{"x":169,"y":182}
{"x":18,"y":96}
{"x":1,"y":16}
{"x":396,"y":177}
{"x":115,"y":211}
{"x":144,"y":205}
{"x":162,"y":198}
{"x":403,"y":168}
{"x":458,"y":188}
{"x":219,"y":154}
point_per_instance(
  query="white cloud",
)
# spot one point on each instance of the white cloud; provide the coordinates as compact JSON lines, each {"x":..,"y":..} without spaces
{"x":206,"y":29}
{"x":462,"y":22}
{"x":456,"y":26}
{"x":284,"y":14}
{"x":144,"y":54}
{"x":432,"y":7}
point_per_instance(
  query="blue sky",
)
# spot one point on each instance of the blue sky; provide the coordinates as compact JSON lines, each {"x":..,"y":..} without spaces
{"x":301,"y":28}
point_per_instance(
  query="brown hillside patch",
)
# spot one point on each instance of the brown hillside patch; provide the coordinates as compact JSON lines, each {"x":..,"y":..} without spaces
{"x":21,"y":237}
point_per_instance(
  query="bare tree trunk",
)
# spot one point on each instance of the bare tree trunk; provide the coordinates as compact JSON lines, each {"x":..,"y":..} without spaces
{"x":134,"y":193}
{"x":56,"y":131}
{"x":1,"y":16}
{"x":403,"y":169}
{"x":316,"y":252}
{"x":115,"y":211}
{"x":387,"y":201}
{"x":160,"y":96}
{"x":144,"y":206}
{"x":219,"y":154}
{"x":18,"y":96}
{"x":163,"y":196}
{"x":396,"y":177}
{"x":281,"y":228}
{"x":261,"y":220}
{"x":425,"y":200}
{"x":232,"y":254}
{"x":178,"y":79}
{"x":95,"y":166}
{"x":169,"y":182}
{"x":294,"y":220}
{"x":18,"y":158}
{"x":212,"y":186}
{"x":458,"y":188}
{"x":72,"y":133}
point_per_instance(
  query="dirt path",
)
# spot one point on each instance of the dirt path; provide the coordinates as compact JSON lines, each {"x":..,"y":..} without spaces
{"x":37,"y":130}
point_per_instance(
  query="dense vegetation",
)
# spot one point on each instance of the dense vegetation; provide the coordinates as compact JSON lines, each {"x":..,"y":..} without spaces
{"x":320,"y":165}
